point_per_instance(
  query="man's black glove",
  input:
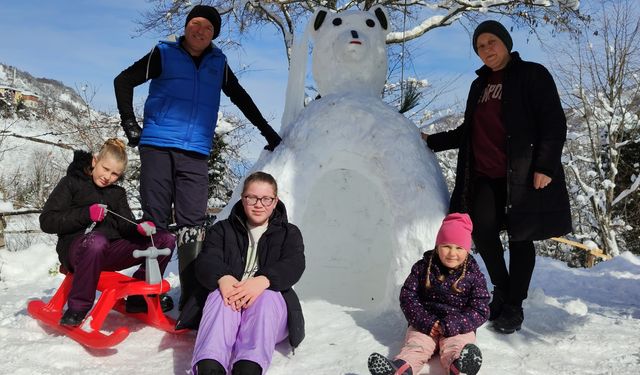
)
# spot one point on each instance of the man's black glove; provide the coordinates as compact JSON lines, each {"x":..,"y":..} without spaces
{"x":273,"y":139}
{"x":132,"y":130}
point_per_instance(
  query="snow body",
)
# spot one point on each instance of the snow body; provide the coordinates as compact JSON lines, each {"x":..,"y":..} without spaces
{"x":354,"y":173}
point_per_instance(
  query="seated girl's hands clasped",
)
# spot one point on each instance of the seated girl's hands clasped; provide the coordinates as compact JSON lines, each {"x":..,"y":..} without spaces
{"x":225,"y":285}
{"x":241,"y":294}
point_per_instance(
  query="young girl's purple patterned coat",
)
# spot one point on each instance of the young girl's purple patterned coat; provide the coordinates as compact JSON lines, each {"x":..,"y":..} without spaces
{"x":458,"y":312}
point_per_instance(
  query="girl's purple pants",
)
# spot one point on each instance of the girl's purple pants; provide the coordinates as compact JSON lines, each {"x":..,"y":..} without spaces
{"x":93,"y":253}
{"x":228,"y":336}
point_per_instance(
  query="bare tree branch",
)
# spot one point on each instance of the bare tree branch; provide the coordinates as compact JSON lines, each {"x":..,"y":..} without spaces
{"x":422,"y":16}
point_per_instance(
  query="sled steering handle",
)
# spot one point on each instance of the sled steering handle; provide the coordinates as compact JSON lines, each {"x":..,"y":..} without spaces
{"x":151,"y":252}
{"x":152,"y":270}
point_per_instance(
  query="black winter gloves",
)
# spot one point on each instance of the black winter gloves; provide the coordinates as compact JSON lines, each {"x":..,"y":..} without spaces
{"x":273,"y":139}
{"x":132,"y":130}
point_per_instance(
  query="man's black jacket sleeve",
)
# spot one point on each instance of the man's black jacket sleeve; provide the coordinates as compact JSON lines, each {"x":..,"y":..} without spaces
{"x":148,"y":67}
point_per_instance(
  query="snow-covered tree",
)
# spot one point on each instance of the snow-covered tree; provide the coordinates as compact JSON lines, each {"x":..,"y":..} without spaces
{"x":227,"y":165}
{"x":601,"y":77}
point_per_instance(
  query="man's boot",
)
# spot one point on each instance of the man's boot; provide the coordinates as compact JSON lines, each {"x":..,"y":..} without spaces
{"x":190,"y":240}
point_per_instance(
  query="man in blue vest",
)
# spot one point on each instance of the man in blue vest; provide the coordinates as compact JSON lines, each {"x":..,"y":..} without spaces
{"x":180,"y":116}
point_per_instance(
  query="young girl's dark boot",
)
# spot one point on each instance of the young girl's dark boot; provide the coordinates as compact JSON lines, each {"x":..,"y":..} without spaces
{"x":381,"y":365}
{"x":469,"y":361}
{"x":72,"y":318}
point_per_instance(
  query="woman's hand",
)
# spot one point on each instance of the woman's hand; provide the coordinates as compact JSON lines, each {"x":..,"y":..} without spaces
{"x":247,"y":291}
{"x":540,"y":180}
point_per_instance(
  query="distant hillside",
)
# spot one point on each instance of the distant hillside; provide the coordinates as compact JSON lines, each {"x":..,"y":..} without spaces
{"x":52,"y":98}
{"x":42,"y":121}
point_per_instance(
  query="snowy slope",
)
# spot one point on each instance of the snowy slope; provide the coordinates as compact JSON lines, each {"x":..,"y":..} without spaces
{"x":578,"y":321}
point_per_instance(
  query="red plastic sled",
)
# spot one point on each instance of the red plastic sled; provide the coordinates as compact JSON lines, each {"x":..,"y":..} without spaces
{"x":114,"y":287}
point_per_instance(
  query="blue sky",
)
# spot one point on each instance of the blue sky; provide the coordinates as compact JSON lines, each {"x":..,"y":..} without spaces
{"x":90,"y":41}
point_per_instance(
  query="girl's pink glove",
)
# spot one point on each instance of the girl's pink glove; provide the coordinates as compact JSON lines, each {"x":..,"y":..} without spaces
{"x":146,"y":228}
{"x":97,"y":212}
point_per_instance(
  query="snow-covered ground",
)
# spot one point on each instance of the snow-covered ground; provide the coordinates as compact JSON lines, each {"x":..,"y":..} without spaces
{"x":577,"y":321}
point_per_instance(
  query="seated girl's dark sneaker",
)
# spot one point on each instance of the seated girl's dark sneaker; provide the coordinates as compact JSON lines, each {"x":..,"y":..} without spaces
{"x":210,"y":367}
{"x":137,"y":303}
{"x":72,"y":318}
{"x":381,"y":365}
{"x":469,"y":361}
{"x":510,"y":320}
{"x":246,"y":367}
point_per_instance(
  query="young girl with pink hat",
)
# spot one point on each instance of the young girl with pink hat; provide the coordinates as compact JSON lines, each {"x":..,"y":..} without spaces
{"x":445,"y":299}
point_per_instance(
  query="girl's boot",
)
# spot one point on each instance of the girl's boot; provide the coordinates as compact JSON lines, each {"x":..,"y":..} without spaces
{"x":469,"y":361}
{"x":246,"y":367}
{"x":210,"y":367}
{"x":381,"y":365}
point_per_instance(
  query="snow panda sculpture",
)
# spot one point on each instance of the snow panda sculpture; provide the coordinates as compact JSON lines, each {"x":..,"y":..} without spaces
{"x":354,"y":173}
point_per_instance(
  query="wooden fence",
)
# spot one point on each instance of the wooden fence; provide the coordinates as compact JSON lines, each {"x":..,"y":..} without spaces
{"x":3,"y":224}
{"x":592,"y":253}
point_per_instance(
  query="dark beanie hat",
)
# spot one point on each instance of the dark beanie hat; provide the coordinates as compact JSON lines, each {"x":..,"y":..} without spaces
{"x":210,"y":13}
{"x":495,"y":28}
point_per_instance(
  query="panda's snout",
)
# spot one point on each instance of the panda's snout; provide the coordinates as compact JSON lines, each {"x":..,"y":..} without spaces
{"x":354,"y":38}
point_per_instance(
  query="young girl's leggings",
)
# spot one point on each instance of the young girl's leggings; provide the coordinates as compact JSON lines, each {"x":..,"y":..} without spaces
{"x":228,"y":336}
{"x":419,"y":347}
{"x":93,"y":253}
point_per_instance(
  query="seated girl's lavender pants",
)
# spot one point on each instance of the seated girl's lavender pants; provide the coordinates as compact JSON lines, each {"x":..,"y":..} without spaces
{"x":228,"y":336}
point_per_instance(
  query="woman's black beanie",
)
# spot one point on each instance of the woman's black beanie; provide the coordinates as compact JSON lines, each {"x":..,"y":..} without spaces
{"x":210,"y":13}
{"x":495,"y":28}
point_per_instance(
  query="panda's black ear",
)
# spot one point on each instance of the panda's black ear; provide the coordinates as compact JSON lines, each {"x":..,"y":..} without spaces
{"x":320,"y":16}
{"x":381,"y":16}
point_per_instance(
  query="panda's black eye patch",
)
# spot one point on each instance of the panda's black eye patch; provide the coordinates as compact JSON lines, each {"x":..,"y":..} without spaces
{"x":370,"y":23}
{"x":337,"y":21}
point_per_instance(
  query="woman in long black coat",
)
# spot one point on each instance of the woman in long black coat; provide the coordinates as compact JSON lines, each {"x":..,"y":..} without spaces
{"x":509,"y":173}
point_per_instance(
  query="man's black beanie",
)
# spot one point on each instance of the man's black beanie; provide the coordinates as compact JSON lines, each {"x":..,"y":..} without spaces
{"x":495,"y":28}
{"x":210,"y":13}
